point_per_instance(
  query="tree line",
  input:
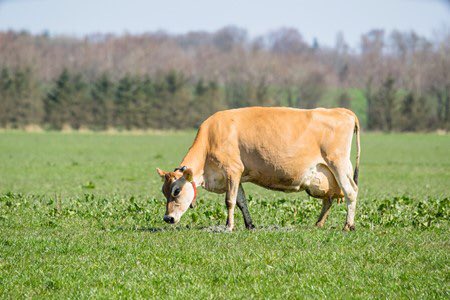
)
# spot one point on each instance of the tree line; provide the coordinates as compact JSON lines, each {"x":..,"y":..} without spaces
{"x":165,"y":81}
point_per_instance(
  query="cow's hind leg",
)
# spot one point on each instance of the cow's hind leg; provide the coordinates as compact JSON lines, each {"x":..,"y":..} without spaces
{"x":342,"y":171}
{"x":241,"y":202}
{"x":326,"y":205}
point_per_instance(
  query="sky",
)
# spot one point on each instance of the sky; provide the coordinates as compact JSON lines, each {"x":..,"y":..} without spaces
{"x":320,"y":19}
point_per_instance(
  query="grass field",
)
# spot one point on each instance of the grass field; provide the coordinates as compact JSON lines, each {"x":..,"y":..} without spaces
{"x":81,"y":216}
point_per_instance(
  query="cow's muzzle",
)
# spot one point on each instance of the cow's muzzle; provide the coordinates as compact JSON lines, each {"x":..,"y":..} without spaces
{"x":169,"y":219}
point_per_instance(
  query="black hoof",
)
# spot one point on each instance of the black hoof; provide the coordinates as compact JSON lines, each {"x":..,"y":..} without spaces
{"x":250,"y":226}
{"x":349,"y":227}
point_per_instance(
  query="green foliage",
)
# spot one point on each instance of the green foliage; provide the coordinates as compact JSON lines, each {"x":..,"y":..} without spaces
{"x":102,"y":94}
{"x":415,"y":113}
{"x":311,"y":90}
{"x":68,"y":102}
{"x":19,"y":98}
{"x":380,"y":107}
{"x":207,"y":100}
{"x":115,"y":212}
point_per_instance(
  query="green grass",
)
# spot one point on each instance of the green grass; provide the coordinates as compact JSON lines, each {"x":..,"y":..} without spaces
{"x":81,"y":217}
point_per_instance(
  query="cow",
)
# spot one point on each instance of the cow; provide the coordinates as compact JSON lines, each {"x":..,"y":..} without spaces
{"x":278,"y":148}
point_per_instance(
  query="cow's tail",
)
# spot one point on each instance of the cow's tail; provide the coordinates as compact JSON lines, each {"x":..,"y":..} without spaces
{"x":358,"y":150}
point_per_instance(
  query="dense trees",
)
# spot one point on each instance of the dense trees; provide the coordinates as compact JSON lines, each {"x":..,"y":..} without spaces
{"x":157,"y":80}
{"x":20,"y":98}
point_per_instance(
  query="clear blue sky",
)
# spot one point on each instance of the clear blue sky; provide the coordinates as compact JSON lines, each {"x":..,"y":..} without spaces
{"x":313,"y":18}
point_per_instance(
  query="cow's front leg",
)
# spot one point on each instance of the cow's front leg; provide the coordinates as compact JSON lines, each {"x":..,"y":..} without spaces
{"x":242,"y":204}
{"x":231,"y":196}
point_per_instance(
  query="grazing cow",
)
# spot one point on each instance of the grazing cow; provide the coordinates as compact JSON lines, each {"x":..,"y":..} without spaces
{"x":281,"y":149}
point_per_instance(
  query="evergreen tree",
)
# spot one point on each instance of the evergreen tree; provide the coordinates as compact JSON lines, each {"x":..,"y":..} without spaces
{"x":6,"y":98}
{"x":102,"y":94}
{"x":55,"y":104}
{"x":123,"y":97}
{"x":344,"y":100}
{"x":207,"y":101}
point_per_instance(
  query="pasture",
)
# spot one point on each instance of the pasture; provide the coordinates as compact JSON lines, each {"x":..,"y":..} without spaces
{"x":81,"y":216}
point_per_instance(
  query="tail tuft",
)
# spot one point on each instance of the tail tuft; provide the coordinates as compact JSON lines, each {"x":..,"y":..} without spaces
{"x":355,"y":175}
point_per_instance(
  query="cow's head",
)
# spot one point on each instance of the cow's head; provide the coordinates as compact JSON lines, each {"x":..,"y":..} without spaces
{"x":180,"y":192}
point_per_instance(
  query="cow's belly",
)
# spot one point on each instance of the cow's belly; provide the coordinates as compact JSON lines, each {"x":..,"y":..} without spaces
{"x":317,"y":181}
{"x":278,"y":183}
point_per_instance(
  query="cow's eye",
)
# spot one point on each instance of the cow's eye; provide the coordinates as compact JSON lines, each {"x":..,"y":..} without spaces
{"x":176,"y":192}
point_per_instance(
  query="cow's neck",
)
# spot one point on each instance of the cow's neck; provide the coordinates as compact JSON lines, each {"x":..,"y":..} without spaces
{"x":196,"y":156}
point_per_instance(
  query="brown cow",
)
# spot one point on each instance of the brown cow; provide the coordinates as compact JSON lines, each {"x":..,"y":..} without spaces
{"x":282,"y":149}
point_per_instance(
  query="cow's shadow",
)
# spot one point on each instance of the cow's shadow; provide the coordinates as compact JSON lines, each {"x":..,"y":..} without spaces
{"x":208,"y":229}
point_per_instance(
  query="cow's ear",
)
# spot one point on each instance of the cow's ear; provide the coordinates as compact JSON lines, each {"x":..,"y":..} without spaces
{"x":161,"y":173}
{"x":187,"y":174}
